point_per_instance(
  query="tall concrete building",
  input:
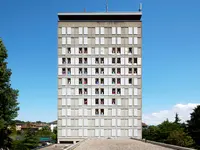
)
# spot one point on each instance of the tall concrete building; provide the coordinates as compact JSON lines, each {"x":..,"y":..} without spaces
{"x":99,"y":75}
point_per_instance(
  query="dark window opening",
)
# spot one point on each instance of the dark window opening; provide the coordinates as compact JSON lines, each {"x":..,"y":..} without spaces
{"x":102,"y":101}
{"x":130,"y":70}
{"x":113,"y":50}
{"x":130,"y":50}
{"x":118,"y":50}
{"x":85,"y":101}
{"x":96,"y":101}
{"x":135,"y":60}
{"x":85,"y":50}
{"x":80,"y":51}
{"x":113,"y":101}
{"x":113,"y":91}
{"x":118,"y":81}
{"x":63,"y":71}
{"x":63,"y":61}
{"x":118,"y":70}
{"x":118,"y":91}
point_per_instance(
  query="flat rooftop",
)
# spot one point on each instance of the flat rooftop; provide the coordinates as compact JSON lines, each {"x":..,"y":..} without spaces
{"x":100,"y":16}
{"x":117,"y":144}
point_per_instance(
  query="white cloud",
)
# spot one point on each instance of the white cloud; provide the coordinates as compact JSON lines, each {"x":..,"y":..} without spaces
{"x":183,"y":110}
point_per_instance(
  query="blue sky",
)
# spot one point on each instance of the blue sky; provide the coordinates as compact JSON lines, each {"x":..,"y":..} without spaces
{"x":171,"y":50}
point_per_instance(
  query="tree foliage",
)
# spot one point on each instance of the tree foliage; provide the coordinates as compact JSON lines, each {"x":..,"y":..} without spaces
{"x":177,"y":119}
{"x":54,"y":136}
{"x":179,"y":137}
{"x":169,"y":132}
{"x":44,"y":132}
{"x":8,"y":100}
{"x":30,"y":139}
{"x":194,"y":125}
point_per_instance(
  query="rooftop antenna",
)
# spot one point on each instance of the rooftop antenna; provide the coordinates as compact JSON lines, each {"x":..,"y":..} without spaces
{"x":106,"y":5}
{"x":140,"y":7}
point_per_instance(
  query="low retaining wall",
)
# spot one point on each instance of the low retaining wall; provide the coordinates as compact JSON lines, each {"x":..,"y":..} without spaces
{"x":165,"y":145}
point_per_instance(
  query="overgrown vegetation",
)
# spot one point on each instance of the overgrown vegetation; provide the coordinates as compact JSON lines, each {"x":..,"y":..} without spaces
{"x":177,"y":133}
{"x":30,"y":139}
{"x":8,"y":101}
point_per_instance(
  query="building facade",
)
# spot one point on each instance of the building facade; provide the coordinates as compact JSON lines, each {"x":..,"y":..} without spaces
{"x":99,"y":75}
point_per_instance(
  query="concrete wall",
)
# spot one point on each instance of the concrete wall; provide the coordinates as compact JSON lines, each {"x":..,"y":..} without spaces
{"x":77,"y":120}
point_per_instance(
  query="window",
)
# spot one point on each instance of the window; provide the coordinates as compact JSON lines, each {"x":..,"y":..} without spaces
{"x":80,"y":61}
{"x":80,"y":70}
{"x":102,"y":101}
{"x":80,"y":92}
{"x":80,"y":51}
{"x":130,"y":60}
{"x":96,"y":81}
{"x":85,"y":81}
{"x":130,"y":50}
{"x":118,"y":91}
{"x":63,"y":71}
{"x":102,"y":60}
{"x":113,"y":60}
{"x":102,"y":91}
{"x":69,"y":71}
{"x":96,"y":101}
{"x":85,"y":101}
{"x":118,"y":81}
{"x":69,"y":50}
{"x":113,"y":50}
{"x":85,"y":50}
{"x":135,"y":70}
{"x":85,"y":70}
{"x":97,"y":60}
{"x":102,"y":70}
{"x":119,"y":60}
{"x":102,"y":81}
{"x":113,"y":80}
{"x":130,"y":80}
{"x":85,"y":91}
{"x":102,"y":111}
{"x":96,"y":111}
{"x":113,"y":91}
{"x":96,"y":70}
{"x":113,"y":101}
{"x":69,"y":60}
{"x":118,"y":50}
{"x":63,"y":61}
{"x":130,"y":70}
{"x":68,"y":80}
{"x":113,"y":70}
{"x":135,"y":60}
{"x":118,"y":70}
{"x":96,"y":91}
{"x":80,"y":81}
{"x":85,"y":60}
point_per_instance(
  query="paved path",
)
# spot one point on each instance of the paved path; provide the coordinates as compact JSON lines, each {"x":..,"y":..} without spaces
{"x":117,"y":144}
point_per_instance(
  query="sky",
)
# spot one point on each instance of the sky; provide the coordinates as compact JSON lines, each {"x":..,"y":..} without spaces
{"x":171,"y":51}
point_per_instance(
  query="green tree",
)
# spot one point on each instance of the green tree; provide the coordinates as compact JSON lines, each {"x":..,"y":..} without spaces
{"x":165,"y":128}
{"x":18,"y":145}
{"x":180,"y":138}
{"x":8,"y":100}
{"x":30,"y":140}
{"x":177,"y":119}
{"x":45,"y":132}
{"x":151,"y":133}
{"x":194,"y":126}
{"x":54,"y":136}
